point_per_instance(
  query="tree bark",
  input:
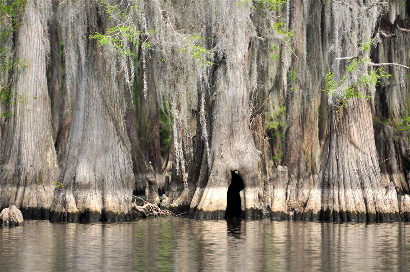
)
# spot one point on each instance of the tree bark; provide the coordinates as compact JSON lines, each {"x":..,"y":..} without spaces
{"x":231,"y":142}
{"x":303,"y":75}
{"x":97,"y":174}
{"x":59,"y":94}
{"x":351,"y":187}
{"x":28,"y":158}
{"x":392,"y":102}
{"x":237,"y":104}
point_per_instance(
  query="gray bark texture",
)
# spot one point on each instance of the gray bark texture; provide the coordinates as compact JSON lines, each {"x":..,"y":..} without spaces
{"x":393,"y":101}
{"x":27,"y":157}
{"x":228,"y":87}
{"x":97,"y":173}
{"x":60,"y":95}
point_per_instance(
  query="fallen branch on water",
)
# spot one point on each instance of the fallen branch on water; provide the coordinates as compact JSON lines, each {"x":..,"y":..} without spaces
{"x":149,"y":209}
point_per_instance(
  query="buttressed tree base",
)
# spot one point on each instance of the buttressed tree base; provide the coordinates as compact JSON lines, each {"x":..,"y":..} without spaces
{"x":238,"y":108}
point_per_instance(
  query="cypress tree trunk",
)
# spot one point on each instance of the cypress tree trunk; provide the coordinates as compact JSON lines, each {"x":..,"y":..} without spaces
{"x":392,"y":101}
{"x":59,"y":94}
{"x":303,"y":85}
{"x":211,"y":64}
{"x":344,"y":183}
{"x":231,"y":143}
{"x":28,"y":158}
{"x":55,"y":72}
{"x":147,"y":113}
{"x":97,"y":174}
{"x":351,"y":184}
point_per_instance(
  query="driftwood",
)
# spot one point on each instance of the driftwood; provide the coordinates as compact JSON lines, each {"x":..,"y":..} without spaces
{"x":11,"y":216}
{"x":148,"y":209}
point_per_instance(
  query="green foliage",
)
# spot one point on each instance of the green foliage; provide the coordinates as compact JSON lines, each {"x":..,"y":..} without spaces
{"x":329,"y":82}
{"x":368,"y":78}
{"x":292,"y":78}
{"x":244,"y":3}
{"x":286,"y":35}
{"x":275,"y":6}
{"x":10,"y":11}
{"x":58,"y":185}
{"x":277,"y":157}
{"x":125,"y":33}
{"x":281,"y":29}
{"x":10,"y":14}
{"x":292,"y":75}
{"x":119,"y":36}
{"x":400,"y":128}
{"x":5,"y":94}
{"x":199,"y":53}
{"x":373,"y":77}
{"x":165,"y":128}
{"x":10,"y":19}
{"x":5,"y":97}
{"x":274,"y":126}
{"x":367,"y":46}
{"x":351,"y":92}
{"x":117,"y":10}
{"x":353,"y":64}
{"x":272,"y":5}
{"x":274,"y":52}
{"x":273,"y":121}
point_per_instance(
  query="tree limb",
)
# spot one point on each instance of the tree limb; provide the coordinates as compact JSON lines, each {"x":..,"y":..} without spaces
{"x":346,"y":58}
{"x":377,"y":64}
{"x":386,"y":35}
{"x":388,"y":64}
{"x":403,"y":29}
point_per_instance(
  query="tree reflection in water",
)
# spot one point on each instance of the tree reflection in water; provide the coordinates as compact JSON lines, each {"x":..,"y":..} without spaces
{"x":181,"y":244}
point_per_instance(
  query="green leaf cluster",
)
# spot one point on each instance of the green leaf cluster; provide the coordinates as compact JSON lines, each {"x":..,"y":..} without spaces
{"x":119,"y":36}
{"x":272,"y":5}
{"x":273,"y":121}
{"x":117,"y":10}
{"x":10,"y":13}
{"x":58,"y":185}
{"x":198,"y":52}
{"x":281,"y":29}
{"x":277,"y":157}
{"x":402,"y":127}
{"x":369,"y":78}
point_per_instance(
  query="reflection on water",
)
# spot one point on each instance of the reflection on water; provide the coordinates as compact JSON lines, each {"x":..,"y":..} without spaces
{"x":179,"y":244}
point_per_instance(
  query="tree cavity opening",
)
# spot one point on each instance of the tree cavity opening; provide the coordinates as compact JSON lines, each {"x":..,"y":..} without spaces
{"x":233,"y":204}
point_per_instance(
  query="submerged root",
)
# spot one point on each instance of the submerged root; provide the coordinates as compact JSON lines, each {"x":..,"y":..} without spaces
{"x":148,"y":209}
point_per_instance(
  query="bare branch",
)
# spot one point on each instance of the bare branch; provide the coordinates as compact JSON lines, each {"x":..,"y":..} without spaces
{"x":403,"y":29}
{"x":382,"y":3}
{"x":346,"y":58}
{"x":386,"y":35}
{"x":389,"y":64}
{"x":376,"y":64}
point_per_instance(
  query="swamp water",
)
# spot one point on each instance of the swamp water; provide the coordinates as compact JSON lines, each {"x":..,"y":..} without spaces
{"x":181,"y":244}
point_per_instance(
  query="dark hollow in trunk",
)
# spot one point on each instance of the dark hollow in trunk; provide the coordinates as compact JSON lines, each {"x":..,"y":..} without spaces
{"x":233,"y":203}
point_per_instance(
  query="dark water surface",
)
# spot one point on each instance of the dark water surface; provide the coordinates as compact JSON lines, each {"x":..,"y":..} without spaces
{"x":180,"y":244}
